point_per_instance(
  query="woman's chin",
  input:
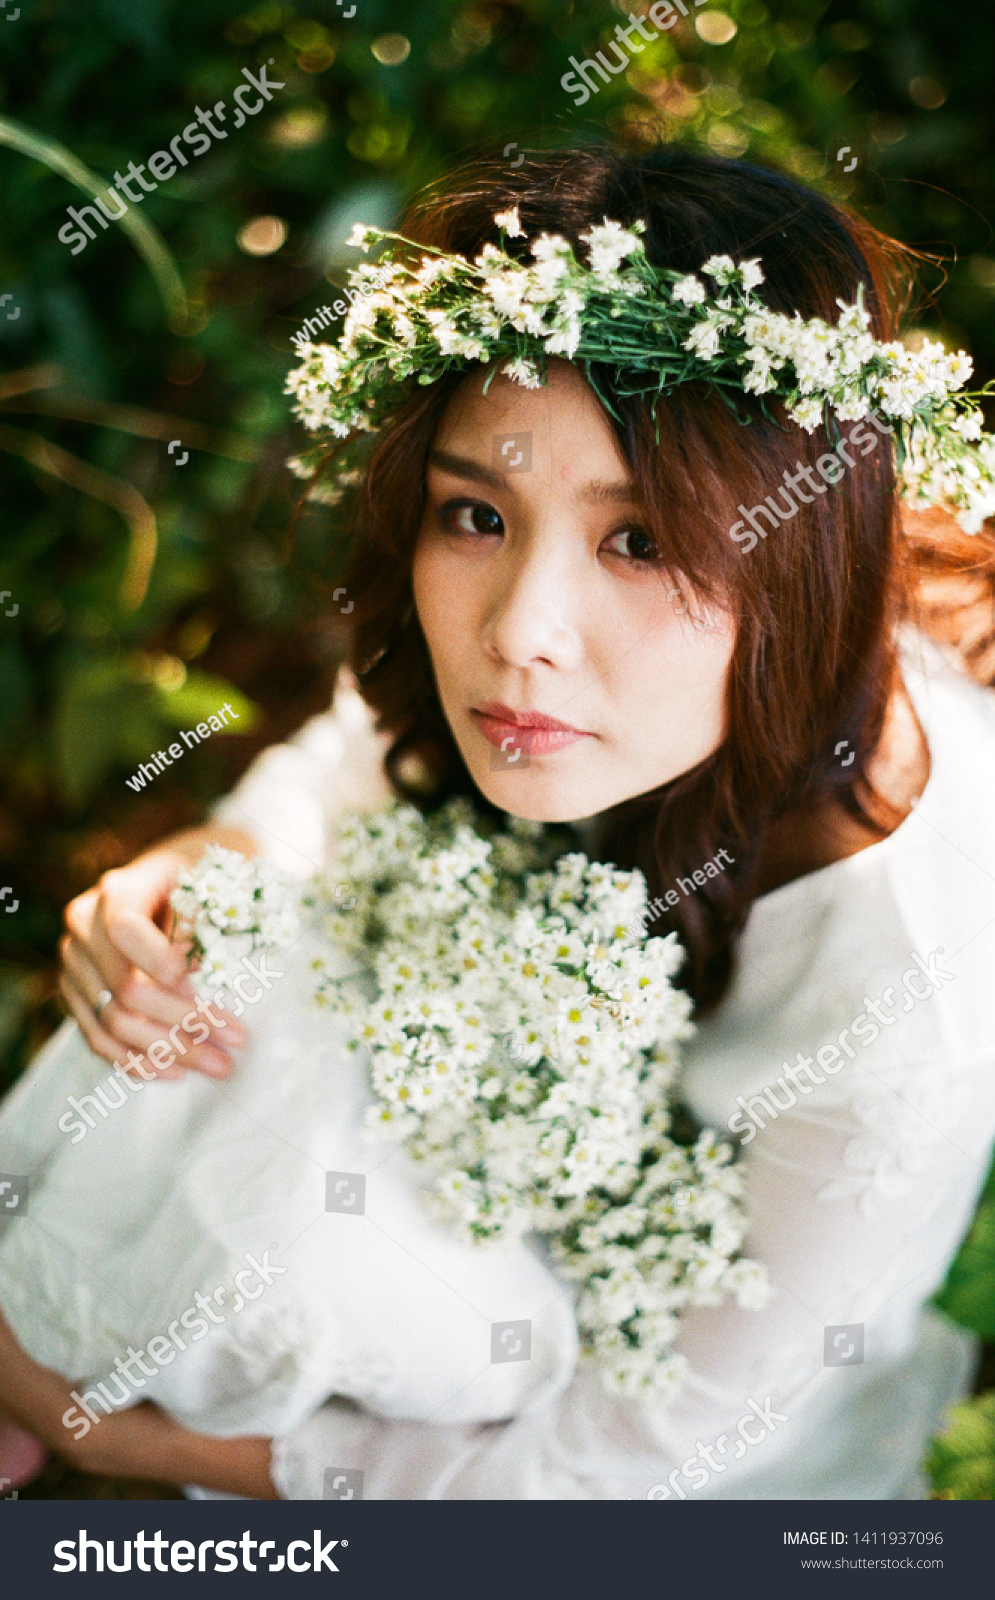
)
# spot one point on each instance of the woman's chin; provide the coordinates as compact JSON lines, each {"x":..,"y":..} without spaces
{"x":538,"y":796}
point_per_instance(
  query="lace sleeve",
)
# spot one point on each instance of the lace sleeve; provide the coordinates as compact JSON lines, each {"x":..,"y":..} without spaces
{"x":292,"y":794}
{"x":857,"y":1202}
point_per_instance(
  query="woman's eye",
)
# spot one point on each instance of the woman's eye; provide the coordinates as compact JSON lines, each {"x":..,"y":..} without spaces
{"x":470,"y":516}
{"x":633,"y":543}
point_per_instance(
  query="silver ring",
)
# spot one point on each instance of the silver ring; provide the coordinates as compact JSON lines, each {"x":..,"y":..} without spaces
{"x":103,"y":999}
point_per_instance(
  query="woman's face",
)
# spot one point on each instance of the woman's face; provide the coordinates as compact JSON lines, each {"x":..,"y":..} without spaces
{"x":571,"y":670}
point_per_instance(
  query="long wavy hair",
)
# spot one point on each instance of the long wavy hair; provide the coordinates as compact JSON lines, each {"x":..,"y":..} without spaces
{"x":816,"y":604}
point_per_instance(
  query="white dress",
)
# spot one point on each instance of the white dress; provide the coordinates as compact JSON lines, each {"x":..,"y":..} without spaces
{"x":859,"y":1189}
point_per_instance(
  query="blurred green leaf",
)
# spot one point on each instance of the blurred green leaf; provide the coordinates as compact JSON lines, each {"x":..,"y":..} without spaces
{"x":968,"y":1295}
{"x":202,"y":696}
{"x":961,"y":1462}
{"x":107,"y":717}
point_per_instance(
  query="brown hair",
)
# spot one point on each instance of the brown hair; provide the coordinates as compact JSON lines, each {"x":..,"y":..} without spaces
{"x":816,"y":603}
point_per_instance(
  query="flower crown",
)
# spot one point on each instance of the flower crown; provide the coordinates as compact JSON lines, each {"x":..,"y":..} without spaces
{"x":654,"y":328}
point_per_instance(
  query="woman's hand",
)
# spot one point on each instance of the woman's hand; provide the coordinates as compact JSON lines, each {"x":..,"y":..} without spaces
{"x":115,"y":945}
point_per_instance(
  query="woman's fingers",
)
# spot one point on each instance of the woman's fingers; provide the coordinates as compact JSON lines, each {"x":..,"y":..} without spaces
{"x":128,"y":902}
{"x":155,"y":980}
{"x":78,"y":915}
{"x":133,"y":992}
{"x":114,"y":948}
{"x":81,"y":972}
{"x":130,"y":1023}
{"x":141,"y":1047}
{"x":97,"y":1037}
{"x":102,"y":1042}
{"x":86,"y":933}
{"x":137,"y":993}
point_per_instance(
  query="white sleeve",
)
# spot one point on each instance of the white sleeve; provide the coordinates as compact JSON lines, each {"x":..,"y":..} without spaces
{"x":292,"y":794}
{"x":857,"y":1199}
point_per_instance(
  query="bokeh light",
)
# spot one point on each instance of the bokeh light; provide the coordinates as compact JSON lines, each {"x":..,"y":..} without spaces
{"x":715,"y":27}
{"x":391,"y":49}
{"x":261,"y":236}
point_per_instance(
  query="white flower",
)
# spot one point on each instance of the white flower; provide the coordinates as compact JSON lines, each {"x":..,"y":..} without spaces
{"x":510,"y":223}
{"x":760,"y":379}
{"x":513,"y":1007}
{"x":808,"y":414}
{"x":331,"y":363}
{"x":546,"y":275}
{"x":564,"y":342}
{"x":851,"y":406}
{"x":721,"y":268}
{"x":230,"y":907}
{"x":362,"y":236}
{"x":450,"y":339}
{"x":959,"y":369}
{"x":813,"y":355}
{"x":608,"y":245}
{"x":969,"y":424}
{"x":704,"y":340}
{"x":411,"y":323}
{"x":360,"y":317}
{"x":690,"y":290}
{"x":853,"y":319}
{"x":749,"y":1283}
{"x":507,"y":290}
{"x":523,"y":371}
{"x":770,"y":331}
{"x":431,"y":267}
{"x":551,"y":247}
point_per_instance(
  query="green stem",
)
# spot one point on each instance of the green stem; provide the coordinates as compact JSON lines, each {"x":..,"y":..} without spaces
{"x":146,"y":239}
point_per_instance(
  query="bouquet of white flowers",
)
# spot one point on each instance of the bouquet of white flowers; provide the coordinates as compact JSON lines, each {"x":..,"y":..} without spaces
{"x":523,"y":1042}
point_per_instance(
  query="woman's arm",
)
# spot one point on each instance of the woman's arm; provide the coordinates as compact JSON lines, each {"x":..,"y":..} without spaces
{"x":141,"y":1442}
{"x":283,"y":808}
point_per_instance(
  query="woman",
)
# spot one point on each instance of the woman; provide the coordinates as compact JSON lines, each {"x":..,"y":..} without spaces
{"x":572,"y":622}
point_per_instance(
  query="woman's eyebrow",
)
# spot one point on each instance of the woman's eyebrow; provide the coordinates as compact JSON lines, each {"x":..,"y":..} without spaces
{"x":464,"y":467}
{"x":597,"y":492}
{"x":620,"y":491}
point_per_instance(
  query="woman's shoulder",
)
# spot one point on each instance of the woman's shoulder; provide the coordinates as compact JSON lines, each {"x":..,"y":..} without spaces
{"x":957,"y":715}
{"x":345,"y":747}
{"x":938,"y":679}
{"x":294,"y":793}
{"x":919,"y":900}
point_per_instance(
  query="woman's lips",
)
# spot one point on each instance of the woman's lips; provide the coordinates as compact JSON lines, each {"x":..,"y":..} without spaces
{"x":529,"y":731}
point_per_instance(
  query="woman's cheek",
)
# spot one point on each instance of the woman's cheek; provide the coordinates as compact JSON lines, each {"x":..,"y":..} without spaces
{"x":439,"y":586}
{"x":425,"y":584}
{"x":446,"y":580}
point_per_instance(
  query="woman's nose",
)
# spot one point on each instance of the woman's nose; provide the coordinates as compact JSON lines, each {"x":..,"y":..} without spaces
{"x":535,"y":614}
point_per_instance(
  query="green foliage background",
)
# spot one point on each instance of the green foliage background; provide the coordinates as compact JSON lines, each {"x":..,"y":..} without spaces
{"x":147,"y":591}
